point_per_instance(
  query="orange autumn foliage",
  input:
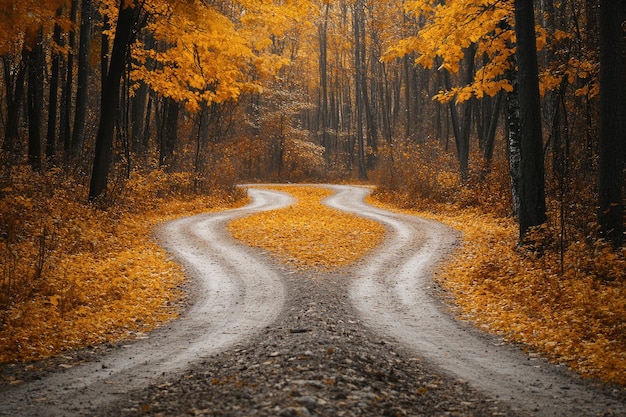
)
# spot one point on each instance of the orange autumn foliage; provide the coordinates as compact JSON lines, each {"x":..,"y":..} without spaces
{"x":309,"y":234}
{"x":75,"y":275}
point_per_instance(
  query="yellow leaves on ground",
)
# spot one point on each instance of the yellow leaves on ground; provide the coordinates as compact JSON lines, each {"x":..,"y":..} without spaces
{"x":309,"y":234}
{"x":576,"y":317}
{"x":93,"y":275}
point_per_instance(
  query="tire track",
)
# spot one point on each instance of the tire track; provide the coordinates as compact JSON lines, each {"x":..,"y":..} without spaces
{"x":237,"y":293}
{"x":392,"y":291}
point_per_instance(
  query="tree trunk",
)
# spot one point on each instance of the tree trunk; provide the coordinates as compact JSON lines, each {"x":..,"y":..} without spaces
{"x":514,"y":148}
{"x":36,"y":62}
{"x":532,"y":195}
{"x":612,"y":120}
{"x":14,"y":77}
{"x":66,"y":111}
{"x":110,"y":100}
{"x":82,"y":89}
{"x":53,"y":102}
{"x":323,"y":65}
{"x":360,"y":75}
{"x":139,"y":103}
{"x":168,"y":140}
{"x":490,"y":138}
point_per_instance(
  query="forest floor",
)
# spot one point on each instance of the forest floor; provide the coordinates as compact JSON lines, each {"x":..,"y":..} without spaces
{"x":263,"y":338}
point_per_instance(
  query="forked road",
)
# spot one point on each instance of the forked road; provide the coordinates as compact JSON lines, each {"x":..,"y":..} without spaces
{"x":239,"y":293}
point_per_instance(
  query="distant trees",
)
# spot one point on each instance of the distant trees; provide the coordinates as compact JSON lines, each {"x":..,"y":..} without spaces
{"x":557,"y":91}
{"x":282,"y":90}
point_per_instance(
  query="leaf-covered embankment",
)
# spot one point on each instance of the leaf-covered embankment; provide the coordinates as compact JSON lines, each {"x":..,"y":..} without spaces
{"x":74,"y":275}
{"x":309,"y":234}
{"x":575,"y":316}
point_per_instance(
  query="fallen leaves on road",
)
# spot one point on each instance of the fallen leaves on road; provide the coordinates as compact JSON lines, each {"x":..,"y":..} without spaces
{"x":577,"y":317}
{"x":309,"y":234}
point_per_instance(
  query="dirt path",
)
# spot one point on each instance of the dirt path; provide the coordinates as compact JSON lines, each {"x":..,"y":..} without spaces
{"x":262,"y":339}
{"x":235,"y":295}
{"x":393,"y":292}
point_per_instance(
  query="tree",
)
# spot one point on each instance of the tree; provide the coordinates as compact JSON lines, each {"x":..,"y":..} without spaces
{"x":532,"y":210}
{"x":124,"y":34}
{"x":53,"y":98}
{"x":82,"y":90}
{"x":34,"y":55}
{"x":360,"y":82}
{"x":612,"y":119}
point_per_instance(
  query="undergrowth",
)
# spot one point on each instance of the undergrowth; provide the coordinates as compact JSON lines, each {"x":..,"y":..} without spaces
{"x":75,"y":275}
{"x":564,"y":298}
{"x":309,"y":234}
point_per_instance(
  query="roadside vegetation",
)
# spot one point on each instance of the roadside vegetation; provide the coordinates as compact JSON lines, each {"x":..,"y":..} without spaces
{"x":563,"y":296}
{"x":76,"y":275}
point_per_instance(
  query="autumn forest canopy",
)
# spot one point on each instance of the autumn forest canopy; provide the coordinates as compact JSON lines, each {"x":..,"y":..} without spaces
{"x":229,"y":91}
{"x":511,"y":108}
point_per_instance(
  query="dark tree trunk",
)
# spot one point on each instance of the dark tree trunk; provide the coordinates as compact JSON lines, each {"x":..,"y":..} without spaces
{"x":36,"y":62}
{"x":359,"y":42}
{"x":66,"y":111}
{"x":513,"y":129}
{"x":168,"y":141}
{"x":408,"y":88}
{"x":514,"y":148}
{"x":53,"y":102}
{"x":462,"y":128}
{"x":110,"y":100}
{"x":14,"y":77}
{"x":138,"y":116}
{"x":612,"y":120}
{"x":82,"y":89}
{"x":139,"y":106}
{"x":532,"y":195}
{"x":323,"y":60}
{"x":490,"y":138}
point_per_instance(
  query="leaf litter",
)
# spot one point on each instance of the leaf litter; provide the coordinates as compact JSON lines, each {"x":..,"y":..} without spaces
{"x":74,"y":275}
{"x":576,"y":316}
{"x":309,"y":234}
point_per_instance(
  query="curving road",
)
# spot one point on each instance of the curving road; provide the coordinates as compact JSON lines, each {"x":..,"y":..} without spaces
{"x":238,"y":293}
{"x":392,"y":292}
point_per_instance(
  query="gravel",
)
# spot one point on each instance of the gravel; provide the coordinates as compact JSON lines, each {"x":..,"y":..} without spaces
{"x":316,"y":359}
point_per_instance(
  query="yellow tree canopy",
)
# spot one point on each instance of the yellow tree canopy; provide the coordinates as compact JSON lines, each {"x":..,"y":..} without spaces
{"x":21,"y":20}
{"x":447,"y":28}
{"x":198,"y":55}
{"x":203,"y":55}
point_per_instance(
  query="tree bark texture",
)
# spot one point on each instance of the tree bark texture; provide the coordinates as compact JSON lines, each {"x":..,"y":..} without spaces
{"x":53,"y":96}
{"x":612,"y":119}
{"x":359,"y":21}
{"x":532,"y":210}
{"x":110,"y":101}
{"x":36,"y":62}
{"x":82,"y":89}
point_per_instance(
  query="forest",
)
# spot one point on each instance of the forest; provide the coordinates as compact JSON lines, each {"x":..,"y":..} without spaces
{"x":115,"y":115}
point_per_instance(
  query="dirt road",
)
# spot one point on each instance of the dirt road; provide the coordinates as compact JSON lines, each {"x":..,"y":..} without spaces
{"x":261,"y":339}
